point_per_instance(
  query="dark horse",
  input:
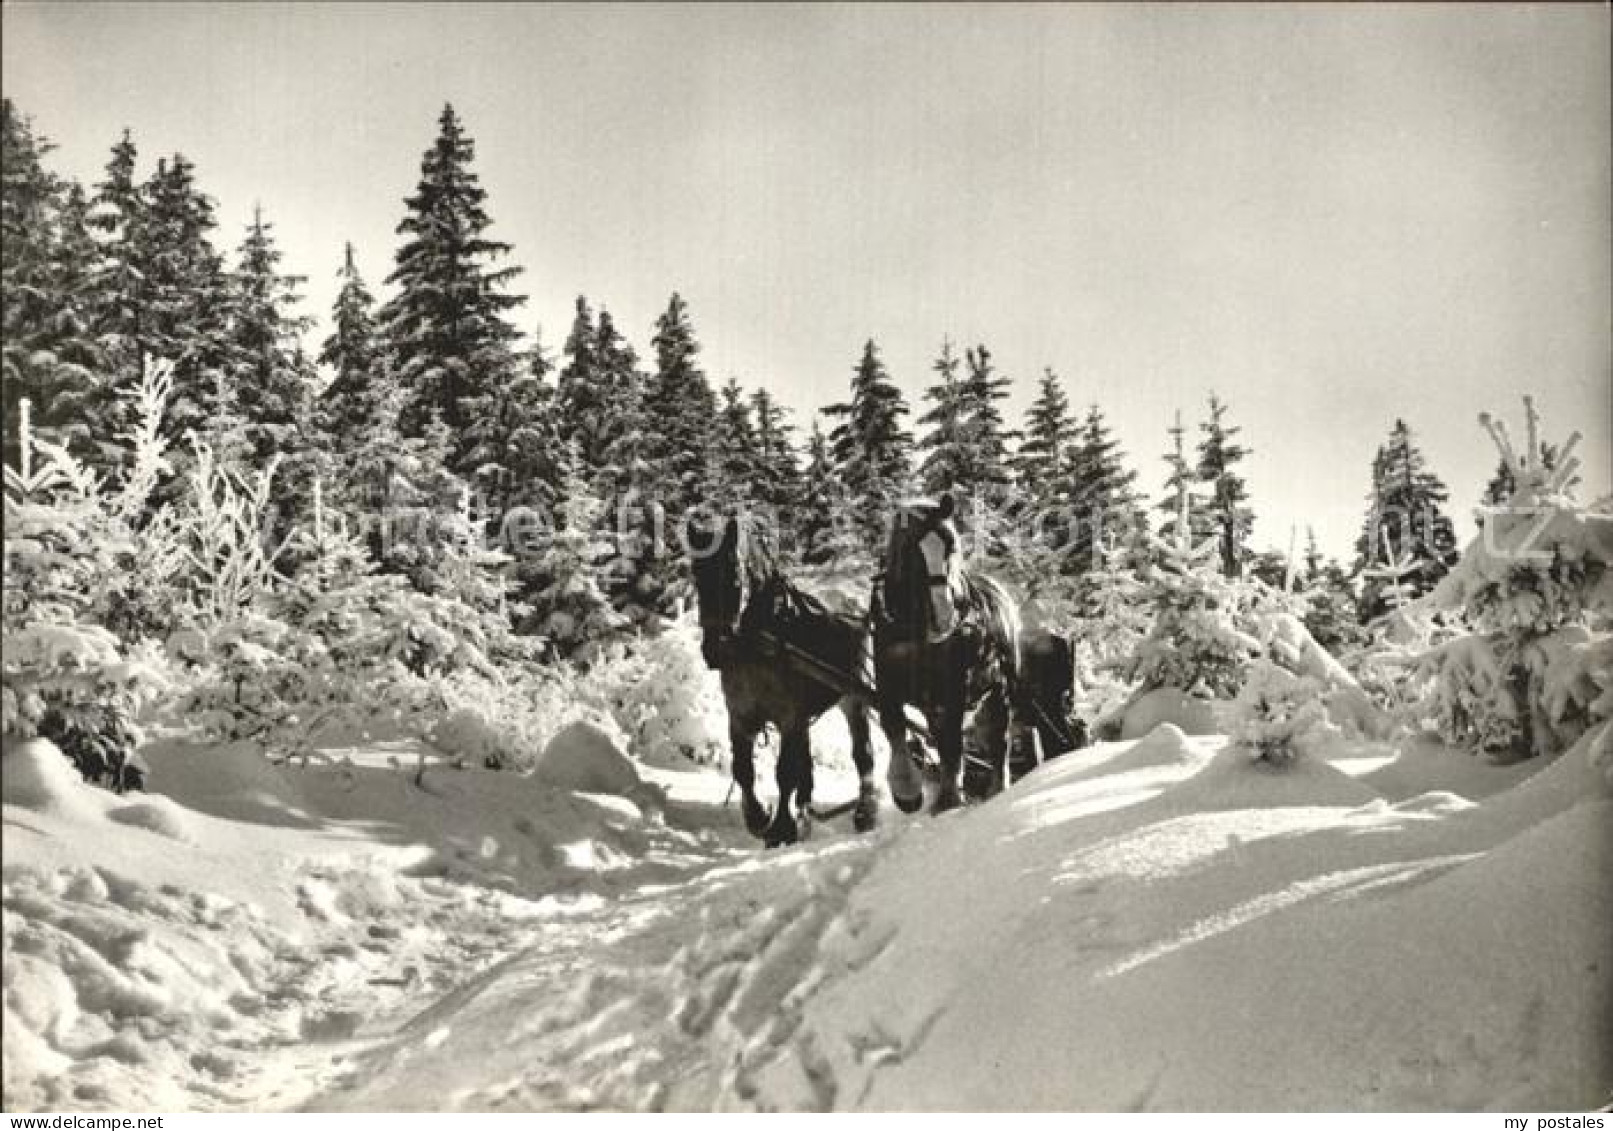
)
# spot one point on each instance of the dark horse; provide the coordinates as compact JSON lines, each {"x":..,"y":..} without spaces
{"x":948,"y":643}
{"x":784,"y":659}
{"x":1044,"y":700}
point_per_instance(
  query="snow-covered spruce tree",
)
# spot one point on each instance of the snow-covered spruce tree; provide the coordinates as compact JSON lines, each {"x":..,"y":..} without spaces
{"x":1195,"y":644}
{"x":1103,"y":496}
{"x":777,"y":483}
{"x":117,"y":220}
{"x":446,"y":334}
{"x":985,"y":437}
{"x":1275,"y":711}
{"x":1182,"y":478}
{"x":1219,"y":453}
{"x":1039,"y":462}
{"x":47,"y":343}
{"x":580,"y":408}
{"x":668,"y":456}
{"x":870,"y":448}
{"x":680,"y":403}
{"x":271,"y":381}
{"x":824,"y":506}
{"x":67,"y":547}
{"x":942,"y":463}
{"x":597,"y":399}
{"x":613,"y":433}
{"x":1331,"y":615}
{"x":1404,"y":507}
{"x":736,"y":455}
{"x":352,"y":352}
{"x":570,"y":607}
{"x":186,"y":297}
{"x":1039,"y":515}
{"x":1397,"y":638}
{"x":1536,"y":589}
{"x":1502,"y":483}
{"x":511,"y":446}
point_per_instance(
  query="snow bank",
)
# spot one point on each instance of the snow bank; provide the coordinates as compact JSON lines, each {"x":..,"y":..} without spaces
{"x":36,"y":775}
{"x":1169,"y":705}
{"x":1246,"y":939}
{"x":1154,"y":924}
{"x":179,"y":950}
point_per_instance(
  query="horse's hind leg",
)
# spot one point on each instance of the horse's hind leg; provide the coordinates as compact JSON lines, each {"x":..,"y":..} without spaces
{"x":794,"y":787}
{"x":866,"y":814}
{"x":983,"y":766}
{"x":1028,"y":747}
{"x":742,"y":740}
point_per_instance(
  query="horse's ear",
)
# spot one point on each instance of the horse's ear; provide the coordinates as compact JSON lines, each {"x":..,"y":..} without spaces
{"x":948,"y":505}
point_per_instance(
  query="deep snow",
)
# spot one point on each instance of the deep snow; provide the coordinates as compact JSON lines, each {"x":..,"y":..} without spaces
{"x":1149,"y":924}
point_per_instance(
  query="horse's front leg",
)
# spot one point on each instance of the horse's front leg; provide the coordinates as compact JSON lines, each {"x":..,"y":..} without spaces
{"x":794,"y":786}
{"x":902,"y":774}
{"x":946,"y":723}
{"x":742,"y":741}
{"x":866,"y":814}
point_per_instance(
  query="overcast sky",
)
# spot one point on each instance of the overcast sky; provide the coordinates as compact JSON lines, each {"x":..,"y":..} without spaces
{"x":1331,"y":216}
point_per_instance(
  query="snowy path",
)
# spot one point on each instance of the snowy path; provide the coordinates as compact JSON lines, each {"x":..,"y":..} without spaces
{"x":664,"y":998}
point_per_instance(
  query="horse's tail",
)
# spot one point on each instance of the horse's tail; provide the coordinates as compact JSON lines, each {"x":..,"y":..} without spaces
{"x":1000,"y":617}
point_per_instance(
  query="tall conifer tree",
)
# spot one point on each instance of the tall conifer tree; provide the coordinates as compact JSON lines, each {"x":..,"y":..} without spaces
{"x":944,"y":464}
{"x":1405,"y":518}
{"x":1219,"y":453}
{"x":352,"y":352}
{"x":450,"y":342}
{"x":680,"y":404}
{"x":271,"y":382}
{"x":1103,"y":491}
{"x":872,"y":451}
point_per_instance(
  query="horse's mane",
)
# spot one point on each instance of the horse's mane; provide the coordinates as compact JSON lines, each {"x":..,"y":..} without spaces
{"x":758,"y":553}
{"x":772,"y":590}
{"x":998,"y":614}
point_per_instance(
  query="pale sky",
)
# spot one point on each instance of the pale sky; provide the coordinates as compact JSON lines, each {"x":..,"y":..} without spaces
{"x":1332,"y":216}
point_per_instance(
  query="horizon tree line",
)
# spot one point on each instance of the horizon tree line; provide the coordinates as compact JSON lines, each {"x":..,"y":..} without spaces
{"x":431,"y":395}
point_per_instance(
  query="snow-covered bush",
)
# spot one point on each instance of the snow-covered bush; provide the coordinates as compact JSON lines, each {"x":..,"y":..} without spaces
{"x":1196,"y":643}
{"x":1531,"y":673}
{"x":664,"y":698}
{"x":1275,"y":711}
{"x":65,"y":675}
{"x":339,"y":649}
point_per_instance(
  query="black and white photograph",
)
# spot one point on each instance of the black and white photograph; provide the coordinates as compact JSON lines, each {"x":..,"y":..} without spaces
{"x":807,"y":557}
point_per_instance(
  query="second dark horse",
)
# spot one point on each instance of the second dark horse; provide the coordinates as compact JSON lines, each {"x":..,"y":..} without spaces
{"x":784,"y":659}
{"x":946,"y":641}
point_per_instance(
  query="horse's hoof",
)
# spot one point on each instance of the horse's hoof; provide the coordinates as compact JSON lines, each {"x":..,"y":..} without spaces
{"x":782,"y":832}
{"x":908,"y":804}
{"x":757,"y":819}
{"x":978,"y":786}
{"x":945,"y":800}
{"x":865,"y":816}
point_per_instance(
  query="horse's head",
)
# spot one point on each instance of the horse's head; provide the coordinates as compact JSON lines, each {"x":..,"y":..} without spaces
{"x":721,"y":585}
{"x":924,"y":587}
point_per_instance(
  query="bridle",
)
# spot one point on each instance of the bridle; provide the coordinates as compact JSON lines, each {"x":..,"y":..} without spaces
{"x":931,"y":577}
{"x":719,"y":626}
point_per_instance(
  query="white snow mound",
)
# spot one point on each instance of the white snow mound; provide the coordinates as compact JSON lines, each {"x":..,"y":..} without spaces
{"x":583,"y":758}
{"x":36,"y":775}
